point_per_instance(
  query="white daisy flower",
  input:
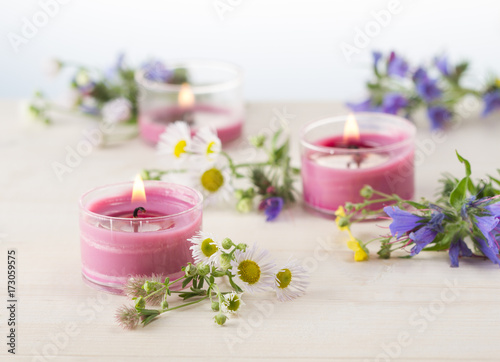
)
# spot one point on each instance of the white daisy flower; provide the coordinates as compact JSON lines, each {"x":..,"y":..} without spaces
{"x":291,"y":281}
{"x":206,"y":144}
{"x":252,"y":269}
{"x":214,"y":182}
{"x":231,"y":303}
{"x":175,"y":141}
{"x":205,"y":248}
{"x":117,"y":110}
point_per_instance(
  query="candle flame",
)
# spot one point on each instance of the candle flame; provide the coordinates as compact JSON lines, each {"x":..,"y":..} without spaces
{"x":351,"y":129}
{"x":186,"y":96}
{"x":138,"y":192}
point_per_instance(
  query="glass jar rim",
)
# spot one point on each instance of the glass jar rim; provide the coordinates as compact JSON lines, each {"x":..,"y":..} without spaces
{"x":412,"y":130}
{"x":196,"y":89}
{"x":146,"y":182}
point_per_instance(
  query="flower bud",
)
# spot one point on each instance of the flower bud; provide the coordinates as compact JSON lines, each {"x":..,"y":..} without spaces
{"x":258,"y":141}
{"x":225,"y":261}
{"x":343,"y":222}
{"x":349,"y":206}
{"x":244,"y":205}
{"x":140,"y":303}
{"x":191,"y":270}
{"x":227,"y":243}
{"x":220,"y":319}
{"x":164,"y":305}
{"x":149,"y":287}
{"x":203,"y":269}
{"x":215,"y":306}
{"x":239,"y":194}
{"x":241,"y":246}
{"x":366,"y":192}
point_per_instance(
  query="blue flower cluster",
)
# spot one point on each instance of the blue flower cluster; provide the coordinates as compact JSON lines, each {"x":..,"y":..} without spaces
{"x":401,"y":89}
{"x":481,"y":215}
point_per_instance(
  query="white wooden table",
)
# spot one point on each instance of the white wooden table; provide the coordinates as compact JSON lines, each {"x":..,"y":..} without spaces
{"x":377,"y":310}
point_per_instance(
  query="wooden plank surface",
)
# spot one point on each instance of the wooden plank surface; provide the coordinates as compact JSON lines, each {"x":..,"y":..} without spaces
{"x":378,"y":310}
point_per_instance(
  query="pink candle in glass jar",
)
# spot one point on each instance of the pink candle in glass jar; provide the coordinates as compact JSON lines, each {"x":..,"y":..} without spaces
{"x":122,"y":236}
{"x":337,"y":162}
{"x":211,"y":97}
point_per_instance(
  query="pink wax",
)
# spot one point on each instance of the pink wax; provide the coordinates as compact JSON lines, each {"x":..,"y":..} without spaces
{"x":115,"y":246}
{"x":331,"y":176}
{"x":153,"y":123}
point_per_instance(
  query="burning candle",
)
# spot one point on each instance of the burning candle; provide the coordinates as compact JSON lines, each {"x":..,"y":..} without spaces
{"x":136,"y":229}
{"x":342,"y":154}
{"x":213,"y":97}
{"x":186,"y":102}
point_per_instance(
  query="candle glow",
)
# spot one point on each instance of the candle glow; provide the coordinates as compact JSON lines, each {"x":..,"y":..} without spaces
{"x":186,"y":96}
{"x":138,"y":192}
{"x":351,"y":130}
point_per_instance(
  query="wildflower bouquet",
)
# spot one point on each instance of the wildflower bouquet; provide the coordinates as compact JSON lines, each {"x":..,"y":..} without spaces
{"x":248,"y":269}
{"x":398,"y":88}
{"x":109,"y":95}
{"x":201,"y":163}
{"x":463,"y":220}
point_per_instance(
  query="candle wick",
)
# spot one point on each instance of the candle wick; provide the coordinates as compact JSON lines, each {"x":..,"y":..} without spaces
{"x":136,"y":211}
{"x":188,"y":117}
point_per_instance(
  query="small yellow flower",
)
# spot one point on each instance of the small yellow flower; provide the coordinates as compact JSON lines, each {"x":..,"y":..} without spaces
{"x":359,"y":253}
{"x":497,"y":82}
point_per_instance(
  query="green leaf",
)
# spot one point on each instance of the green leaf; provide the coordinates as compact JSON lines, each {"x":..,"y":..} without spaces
{"x":459,"y":193}
{"x":494,"y":180}
{"x":186,"y":281}
{"x":466,"y":163}
{"x":234,"y":285}
{"x":149,"y":319}
{"x":405,"y":257}
{"x":274,"y":140}
{"x":149,"y":312}
{"x":416,"y":205}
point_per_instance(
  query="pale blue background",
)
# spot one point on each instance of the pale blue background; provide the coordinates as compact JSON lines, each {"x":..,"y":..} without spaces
{"x":289,"y":49}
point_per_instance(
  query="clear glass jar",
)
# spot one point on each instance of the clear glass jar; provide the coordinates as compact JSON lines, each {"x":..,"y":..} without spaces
{"x":214,"y":98}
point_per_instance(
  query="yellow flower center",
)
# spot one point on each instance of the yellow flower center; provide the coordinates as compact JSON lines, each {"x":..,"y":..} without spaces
{"x":212,"y":180}
{"x":284,"y":278}
{"x":180,"y":148}
{"x":207,"y":248}
{"x":249,"y":271}
{"x":233,"y":304}
{"x":209,"y":148}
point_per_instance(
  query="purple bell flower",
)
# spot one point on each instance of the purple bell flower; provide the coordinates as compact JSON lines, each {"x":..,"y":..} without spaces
{"x":485,"y":249}
{"x":491,"y":102}
{"x":426,"y":235}
{"x":393,"y":102}
{"x":428,"y":89}
{"x":376,"y":58}
{"x":364,"y":106}
{"x":458,"y":248}
{"x":272,"y":207}
{"x":402,"y":221}
{"x":442,"y":65}
{"x":439,"y":116}
{"x":156,"y":71}
{"x":397,"y":66}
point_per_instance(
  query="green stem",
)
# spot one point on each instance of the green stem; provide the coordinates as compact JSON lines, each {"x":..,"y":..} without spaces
{"x":185,"y":304}
{"x":250,"y":164}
